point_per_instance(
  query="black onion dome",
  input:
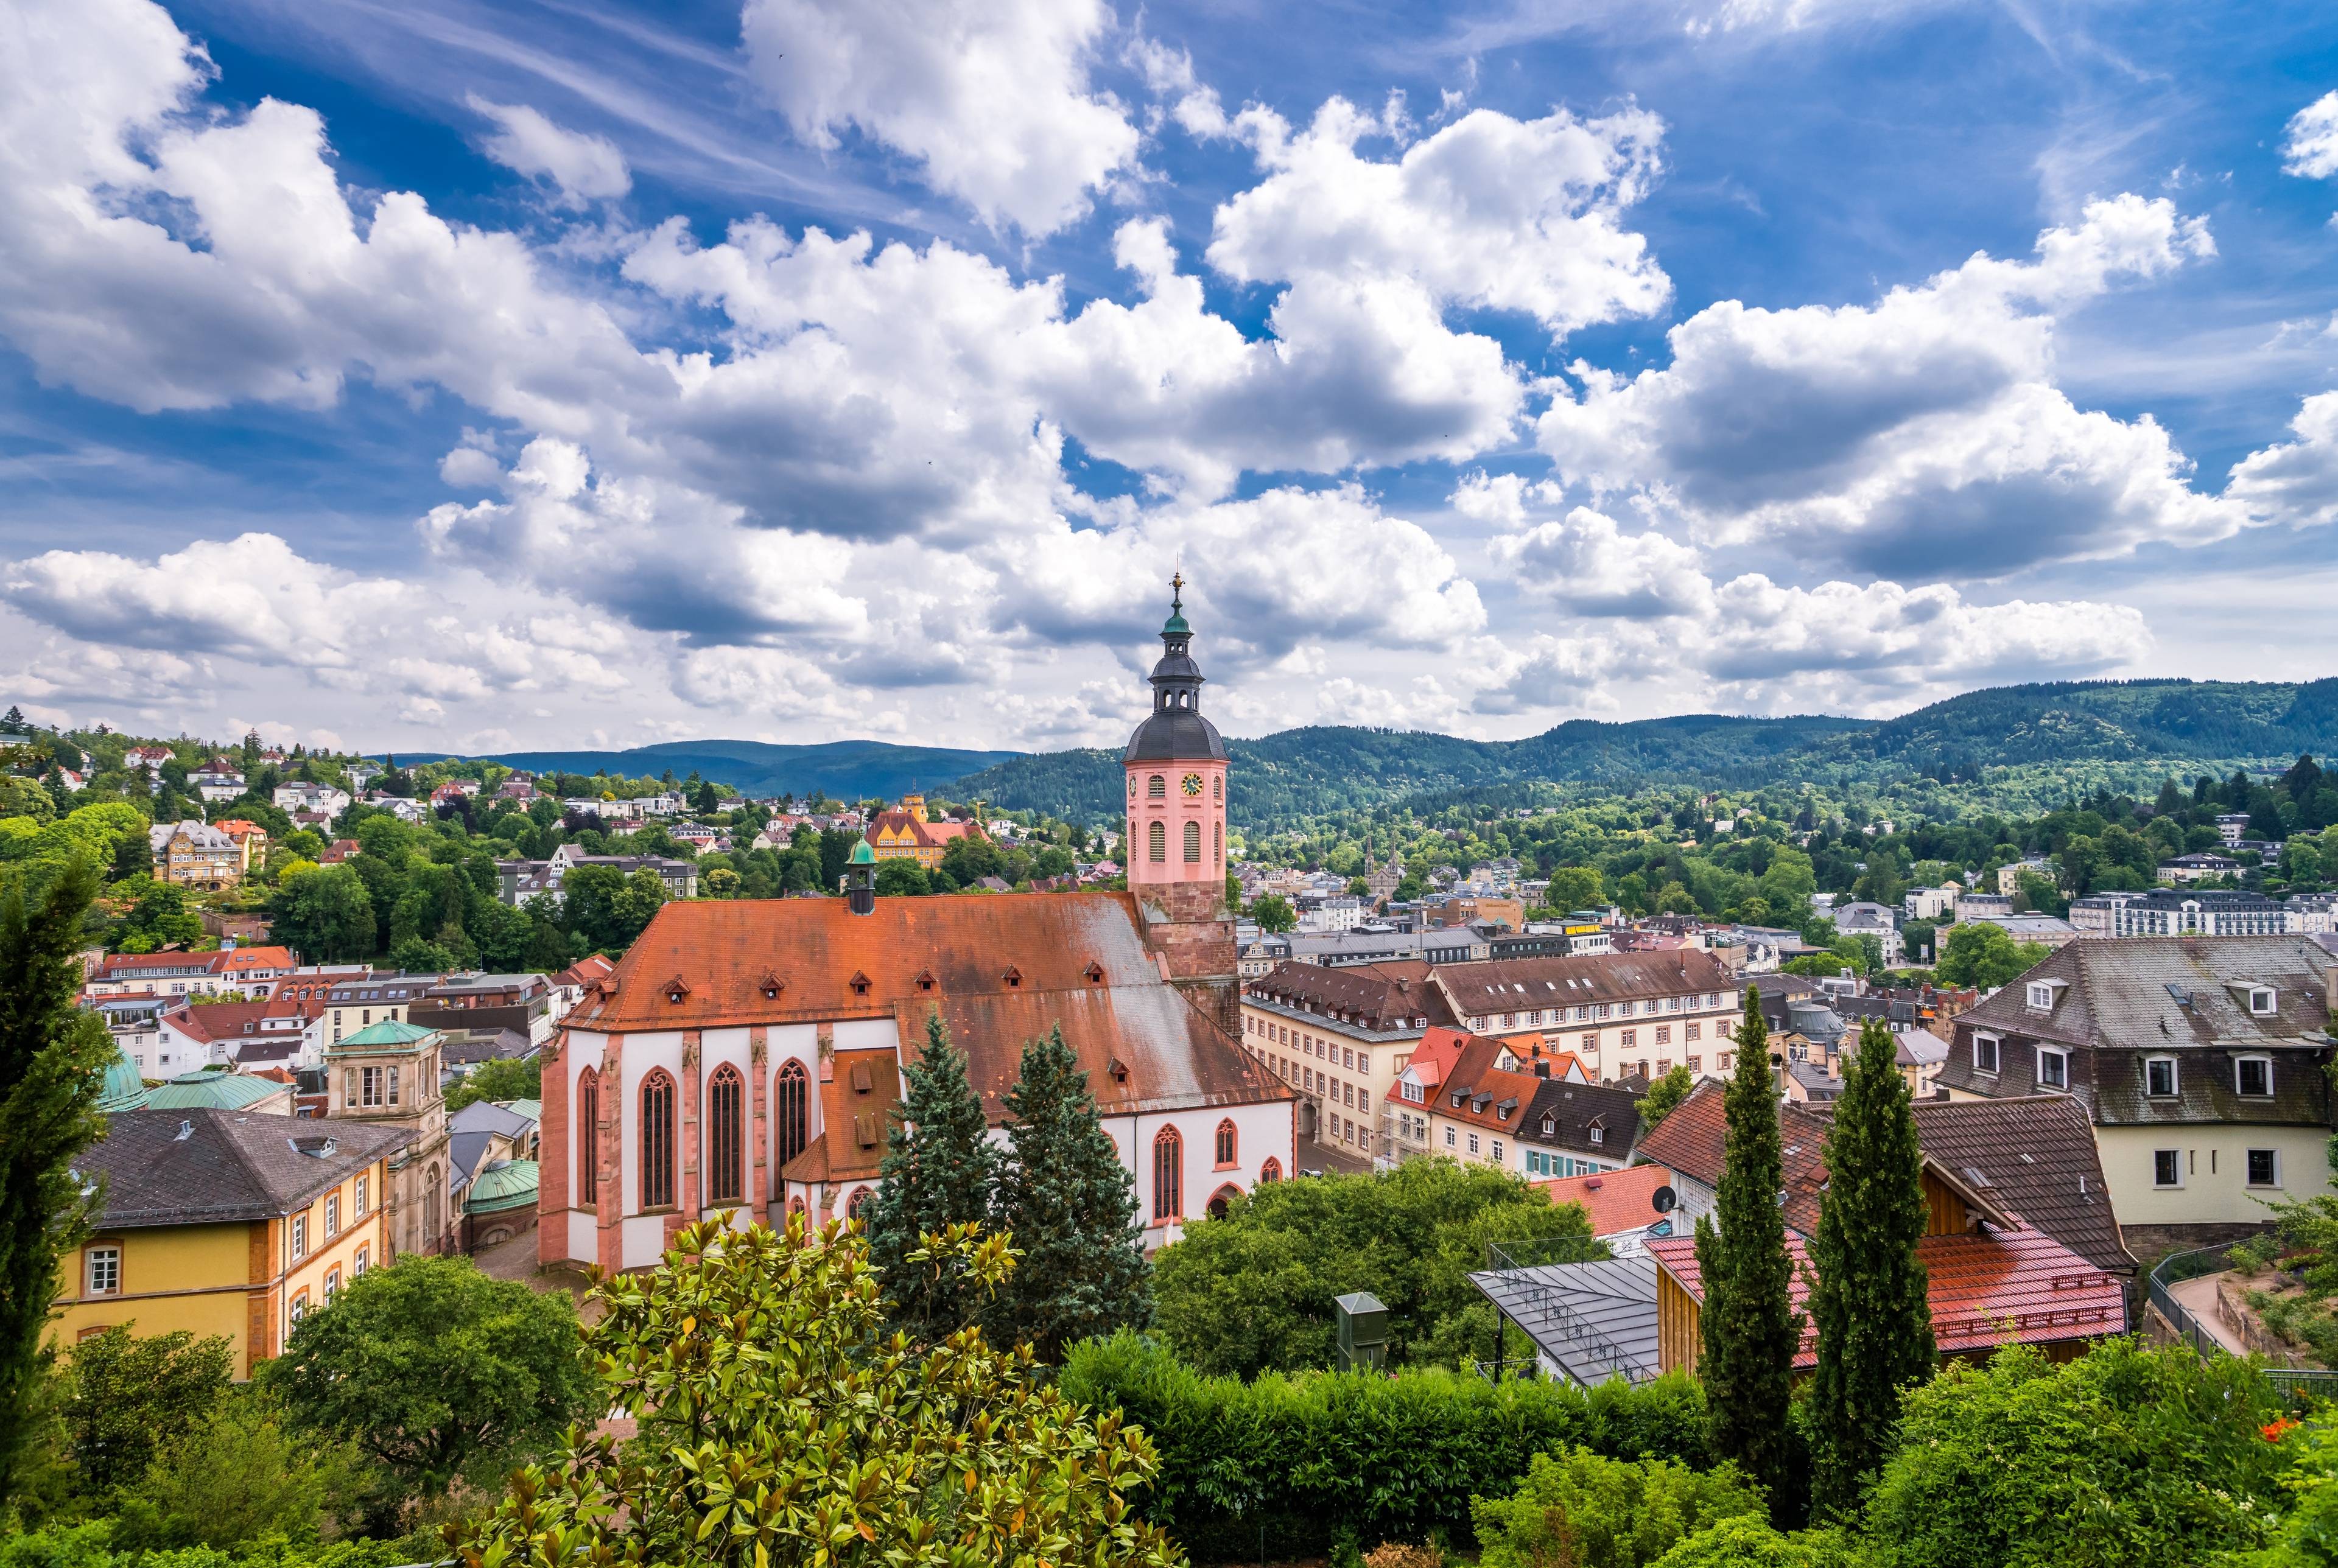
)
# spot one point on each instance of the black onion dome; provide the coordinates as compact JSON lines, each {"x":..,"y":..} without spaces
{"x":1176,"y":731}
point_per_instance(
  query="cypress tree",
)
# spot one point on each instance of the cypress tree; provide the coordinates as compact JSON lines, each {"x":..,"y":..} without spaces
{"x":1071,"y":1206}
{"x":1749,"y":1326}
{"x":938,"y":1171}
{"x":52,"y":1062}
{"x":1869,"y":1302}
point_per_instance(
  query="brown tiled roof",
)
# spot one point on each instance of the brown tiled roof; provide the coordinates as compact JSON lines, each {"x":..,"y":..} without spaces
{"x":1996,"y":1288}
{"x":1002,"y":970}
{"x":1384,"y":997}
{"x":220,"y":1020}
{"x":857,"y":1098}
{"x":202,"y":1167}
{"x":1514,"y":984}
{"x":2033,"y":1156}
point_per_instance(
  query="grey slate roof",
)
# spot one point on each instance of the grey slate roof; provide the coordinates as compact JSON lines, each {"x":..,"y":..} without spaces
{"x":469,"y":1047}
{"x":2127,"y":998}
{"x":200,"y":1167}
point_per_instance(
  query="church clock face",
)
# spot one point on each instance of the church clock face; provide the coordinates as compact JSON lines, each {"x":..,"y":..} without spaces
{"x":1192,"y":784}
{"x":1132,"y":786}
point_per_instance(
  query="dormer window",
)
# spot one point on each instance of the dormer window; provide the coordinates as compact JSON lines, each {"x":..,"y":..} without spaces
{"x":770,"y":986}
{"x":2262,"y":1002}
{"x":2253,"y":1077}
{"x":675,"y":990}
{"x":1985,"y":1055}
{"x":1013,"y":976}
{"x":2159,"y":1077}
{"x":925,"y":980}
{"x":860,"y":984}
{"x":1093,"y":973}
{"x":1598,"y":1132}
{"x":2053,"y":1069}
{"x":2043,"y":994}
{"x":1549,"y":1127}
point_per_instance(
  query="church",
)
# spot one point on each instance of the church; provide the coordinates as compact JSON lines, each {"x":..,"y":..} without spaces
{"x":747,"y":1054}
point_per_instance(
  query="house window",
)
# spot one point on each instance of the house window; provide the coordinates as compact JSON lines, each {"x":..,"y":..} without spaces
{"x":333,"y":1285}
{"x":2265,"y":1168}
{"x":1663,"y":1034}
{"x":657,"y":1142}
{"x":1693,"y":1032}
{"x":588,"y":1141}
{"x":1497,"y":1150}
{"x":795,"y":1100}
{"x":2262,"y":1001}
{"x":1473,"y":1142}
{"x":1449,"y":1137}
{"x":1157,"y":841}
{"x":2253,"y":1075}
{"x":299,"y":1235}
{"x":2166,"y":1168}
{"x":371,"y":1086}
{"x":300,"y":1307}
{"x":1985,"y":1053}
{"x":2053,"y":1068}
{"x":1598,"y":1133}
{"x":1168,"y":1175}
{"x":393,"y":1085}
{"x":1631,"y":1039}
{"x":332,"y":1215}
{"x":1225,"y":1144}
{"x":2159,"y":1076}
{"x":357,"y":1203}
{"x":1590,"y":1043}
{"x":2041,"y":997}
{"x":361,"y":1262}
{"x":103,"y":1274}
{"x":726,"y":1140}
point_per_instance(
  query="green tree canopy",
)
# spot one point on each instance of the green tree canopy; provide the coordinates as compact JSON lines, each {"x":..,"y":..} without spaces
{"x":1749,"y":1328}
{"x":53,"y":1061}
{"x":520,"y":1078}
{"x":938,"y":1172}
{"x":1668,"y":1091}
{"x":1071,"y":1206}
{"x":1575,"y":1507}
{"x":781,"y":1426}
{"x":1868,"y":1300}
{"x":127,"y":1395}
{"x":1273,"y":912}
{"x":1251,"y":1292}
{"x":436,"y":1372}
{"x":1979,"y":954}
{"x":325,"y":913}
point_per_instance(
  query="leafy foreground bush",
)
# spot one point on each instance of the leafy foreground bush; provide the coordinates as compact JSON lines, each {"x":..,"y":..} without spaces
{"x":1295,"y":1462}
{"x":1580,"y":1509}
{"x":781,"y":1425}
{"x":97,"y":1544}
{"x":2127,"y":1456}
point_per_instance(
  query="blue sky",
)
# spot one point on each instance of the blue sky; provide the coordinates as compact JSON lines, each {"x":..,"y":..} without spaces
{"x":443,"y":374}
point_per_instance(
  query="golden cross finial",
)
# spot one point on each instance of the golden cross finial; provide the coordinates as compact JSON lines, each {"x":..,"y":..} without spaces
{"x":1176,"y":590}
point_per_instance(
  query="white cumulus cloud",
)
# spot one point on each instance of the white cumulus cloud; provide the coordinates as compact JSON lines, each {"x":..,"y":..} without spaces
{"x":581,"y":168}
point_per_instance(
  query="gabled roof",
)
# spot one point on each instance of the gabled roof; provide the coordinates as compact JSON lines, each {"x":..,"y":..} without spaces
{"x":1384,"y":997}
{"x":2139,"y":993}
{"x":1432,"y":1060}
{"x":1498,"y":986}
{"x":218,"y":1020}
{"x":197,"y":1167}
{"x":1996,"y":1288}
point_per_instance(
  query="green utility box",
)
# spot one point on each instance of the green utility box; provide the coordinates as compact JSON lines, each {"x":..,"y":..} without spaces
{"x":1363,"y":1330}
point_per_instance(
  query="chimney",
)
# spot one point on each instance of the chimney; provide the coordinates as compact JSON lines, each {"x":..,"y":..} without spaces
{"x":1542,"y":1068}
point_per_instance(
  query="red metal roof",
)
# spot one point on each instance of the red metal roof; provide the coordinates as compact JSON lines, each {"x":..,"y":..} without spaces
{"x":1996,"y":1288}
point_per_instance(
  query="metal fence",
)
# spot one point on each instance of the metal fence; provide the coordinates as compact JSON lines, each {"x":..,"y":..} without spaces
{"x":2301,"y":1383}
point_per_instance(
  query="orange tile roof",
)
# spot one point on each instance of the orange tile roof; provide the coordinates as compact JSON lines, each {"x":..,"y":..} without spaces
{"x":1002,"y":970}
{"x":1616,"y":1200}
{"x":1996,"y":1288}
{"x":1439,"y":1048}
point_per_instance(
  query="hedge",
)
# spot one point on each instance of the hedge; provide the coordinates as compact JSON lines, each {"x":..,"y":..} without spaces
{"x":91,"y":1545}
{"x":1290,"y":1464}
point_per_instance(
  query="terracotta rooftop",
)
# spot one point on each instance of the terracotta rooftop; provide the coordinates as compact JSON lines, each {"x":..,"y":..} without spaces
{"x":1385,"y":997}
{"x":1996,"y":1287}
{"x":1616,"y":1200}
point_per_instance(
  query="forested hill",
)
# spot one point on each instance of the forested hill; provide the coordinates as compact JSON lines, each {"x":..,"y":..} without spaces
{"x":2009,"y":746}
{"x":848,"y":769}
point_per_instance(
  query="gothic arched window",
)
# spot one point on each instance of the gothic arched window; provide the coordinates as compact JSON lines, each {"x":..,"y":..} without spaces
{"x":1226,"y":1143}
{"x":795,"y":1101}
{"x":1193,"y":843}
{"x":1168,"y":1175}
{"x":657,"y":1140}
{"x":588,"y":1137}
{"x":725,"y":1144}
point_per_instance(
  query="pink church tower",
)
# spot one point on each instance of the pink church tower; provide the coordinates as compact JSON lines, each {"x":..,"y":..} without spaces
{"x":1175,"y":766}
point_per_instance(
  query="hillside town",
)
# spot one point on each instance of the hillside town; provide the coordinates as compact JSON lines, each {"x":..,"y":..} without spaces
{"x":362,"y":1018}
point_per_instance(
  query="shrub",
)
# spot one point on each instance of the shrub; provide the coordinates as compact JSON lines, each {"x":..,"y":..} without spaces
{"x":1402,"y":1555}
{"x":2125,"y":1455}
{"x":1580,"y":1509}
{"x":1748,"y":1542}
{"x":1285,"y":1463}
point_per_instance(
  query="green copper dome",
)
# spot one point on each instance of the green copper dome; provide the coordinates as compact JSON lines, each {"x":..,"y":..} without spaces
{"x":124,"y":1090}
{"x":862,"y":855}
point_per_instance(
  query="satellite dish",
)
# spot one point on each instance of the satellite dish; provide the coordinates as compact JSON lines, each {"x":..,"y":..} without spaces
{"x":1665,"y":1197}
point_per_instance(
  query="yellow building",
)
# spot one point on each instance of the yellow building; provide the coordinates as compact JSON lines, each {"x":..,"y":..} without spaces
{"x":226,"y":1222}
{"x":907,"y":833}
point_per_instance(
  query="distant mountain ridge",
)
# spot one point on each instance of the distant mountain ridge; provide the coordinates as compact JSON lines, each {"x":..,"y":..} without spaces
{"x":1995,"y":745}
{"x":2098,"y":730}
